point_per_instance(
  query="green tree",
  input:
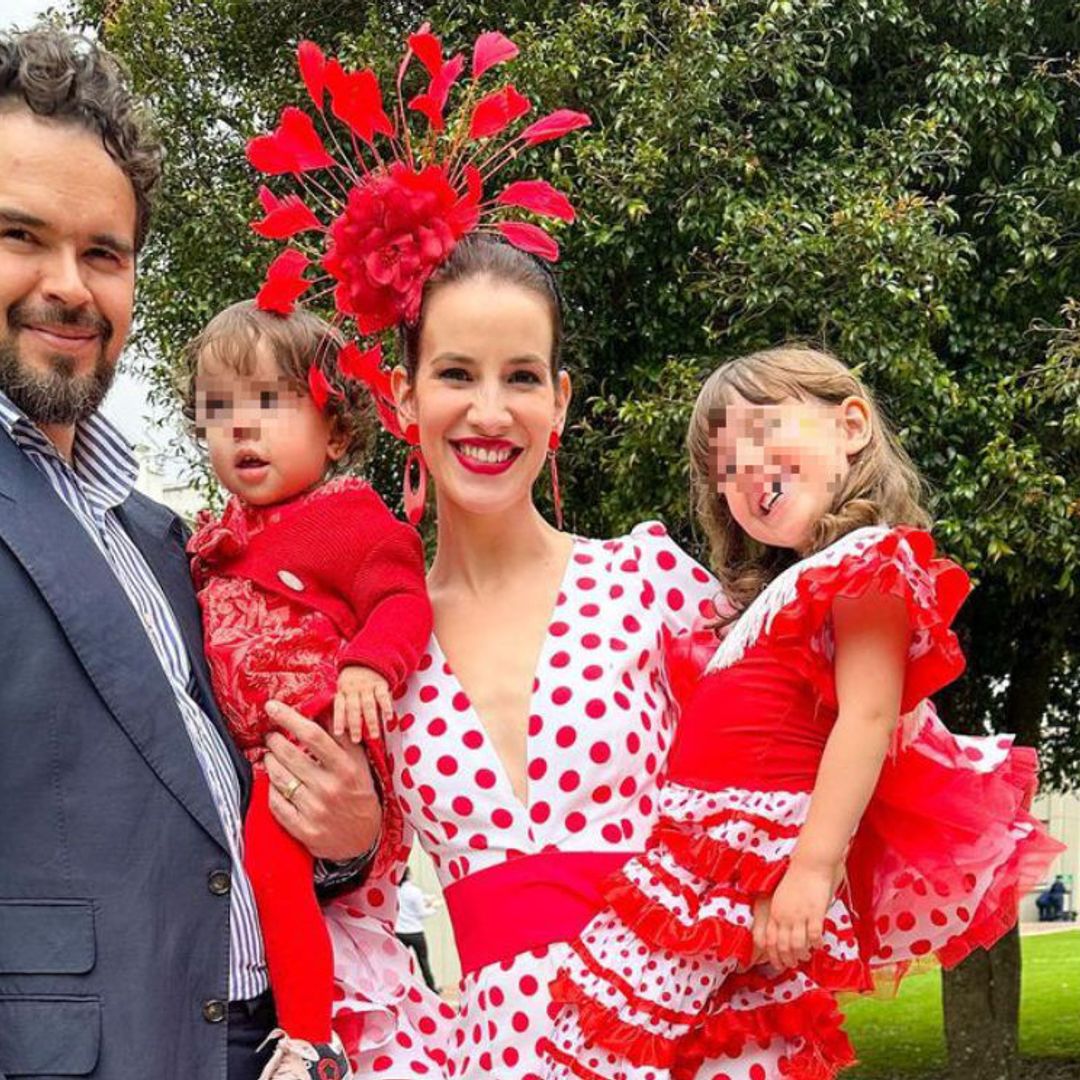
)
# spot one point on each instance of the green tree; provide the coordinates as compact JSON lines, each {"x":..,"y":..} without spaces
{"x":896,"y":180}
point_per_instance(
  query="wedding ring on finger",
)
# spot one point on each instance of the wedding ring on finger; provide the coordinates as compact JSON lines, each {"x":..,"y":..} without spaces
{"x":290,"y":789}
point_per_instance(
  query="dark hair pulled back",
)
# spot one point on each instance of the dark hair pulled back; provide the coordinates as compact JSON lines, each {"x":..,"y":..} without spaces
{"x":487,"y":256}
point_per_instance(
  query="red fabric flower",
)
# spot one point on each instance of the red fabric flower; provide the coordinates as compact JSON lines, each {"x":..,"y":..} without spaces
{"x":395,"y":230}
{"x":390,"y":214}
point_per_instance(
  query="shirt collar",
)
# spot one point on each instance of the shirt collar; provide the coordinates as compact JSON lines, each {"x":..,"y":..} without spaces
{"x":102,"y":457}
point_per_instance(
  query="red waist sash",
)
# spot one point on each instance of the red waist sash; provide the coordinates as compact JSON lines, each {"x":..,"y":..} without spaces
{"x":526,"y":903}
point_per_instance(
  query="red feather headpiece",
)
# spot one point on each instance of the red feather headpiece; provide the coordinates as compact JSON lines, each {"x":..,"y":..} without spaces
{"x":386,"y":215}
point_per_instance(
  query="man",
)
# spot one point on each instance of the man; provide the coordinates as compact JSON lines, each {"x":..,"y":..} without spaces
{"x":129,"y":940}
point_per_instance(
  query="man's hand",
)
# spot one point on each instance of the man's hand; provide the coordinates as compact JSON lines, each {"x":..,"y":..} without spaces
{"x":363,"y":702}
{"x":335,"y":811}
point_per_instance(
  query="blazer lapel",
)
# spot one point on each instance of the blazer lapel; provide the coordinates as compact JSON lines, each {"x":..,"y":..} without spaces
{"x":159,"y":536}
{"x":102,"y":626}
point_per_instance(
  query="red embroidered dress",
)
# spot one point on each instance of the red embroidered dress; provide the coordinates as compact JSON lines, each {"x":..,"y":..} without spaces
{"x":291,"y":593}
{"x":659,"y":984}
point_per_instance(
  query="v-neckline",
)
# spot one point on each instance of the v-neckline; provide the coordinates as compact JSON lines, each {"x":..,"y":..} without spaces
{"x":503,"y":773}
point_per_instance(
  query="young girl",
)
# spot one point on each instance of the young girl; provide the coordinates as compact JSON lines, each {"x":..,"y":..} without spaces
{"x":819,"y":824}
{"x":313,"y":595}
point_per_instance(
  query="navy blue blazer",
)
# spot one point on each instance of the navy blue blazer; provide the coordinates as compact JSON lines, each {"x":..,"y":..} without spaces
{"x":114,"y":912}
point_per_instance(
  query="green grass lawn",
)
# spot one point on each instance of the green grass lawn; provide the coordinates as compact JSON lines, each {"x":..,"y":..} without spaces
{"x":904,"y":1036}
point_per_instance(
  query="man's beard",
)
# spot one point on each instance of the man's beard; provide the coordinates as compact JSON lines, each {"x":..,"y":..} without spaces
{"x":56,"y":396}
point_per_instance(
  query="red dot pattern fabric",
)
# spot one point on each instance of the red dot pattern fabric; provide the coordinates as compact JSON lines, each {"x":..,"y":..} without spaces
{"x":660,"y":985}
{"x":600,"y":729}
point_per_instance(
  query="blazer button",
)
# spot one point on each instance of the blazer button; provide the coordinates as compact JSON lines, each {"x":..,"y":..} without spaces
{"x":219,"y":882}
{"x":214,"y":1011}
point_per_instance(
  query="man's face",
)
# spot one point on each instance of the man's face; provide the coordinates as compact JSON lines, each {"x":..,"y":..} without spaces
{"x":67,"y":267}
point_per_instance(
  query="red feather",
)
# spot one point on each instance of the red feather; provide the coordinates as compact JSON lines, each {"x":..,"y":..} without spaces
{"x":433,"y":103}
{"x":320,"y":389}
{"x":312,"y":68}
{"x":356,"y":99}
{"x":538,"y":196}
{"x":284,"y":217}
{"x":490,"y":49}
{"x":295,"y":146}
{"x":285,"y":281}
{"x":530,"y":238}
{"x":428,"y":48}
{"x":495,"y":111}
{"x":362,"y":365}
{"x":554,"y":126}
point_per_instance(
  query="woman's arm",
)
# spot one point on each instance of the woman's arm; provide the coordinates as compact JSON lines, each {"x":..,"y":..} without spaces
{"x":871,"y":635}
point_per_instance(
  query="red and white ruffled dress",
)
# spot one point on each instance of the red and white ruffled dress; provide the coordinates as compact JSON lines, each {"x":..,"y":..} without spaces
{"x":659,"y":985}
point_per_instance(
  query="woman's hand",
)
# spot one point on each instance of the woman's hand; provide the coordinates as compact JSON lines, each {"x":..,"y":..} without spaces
{"x":789,"y":926}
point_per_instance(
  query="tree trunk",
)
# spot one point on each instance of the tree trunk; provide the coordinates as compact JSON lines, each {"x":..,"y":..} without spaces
{"x":981,"y":998}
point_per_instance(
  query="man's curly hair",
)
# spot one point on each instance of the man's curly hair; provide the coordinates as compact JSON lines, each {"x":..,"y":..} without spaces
{"x":69,"y":79}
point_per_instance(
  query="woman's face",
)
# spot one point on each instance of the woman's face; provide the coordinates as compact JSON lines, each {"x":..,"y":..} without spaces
{"x":484,"y":397}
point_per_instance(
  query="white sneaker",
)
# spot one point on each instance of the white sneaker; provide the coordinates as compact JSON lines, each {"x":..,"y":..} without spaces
{"x":298,"y":1059}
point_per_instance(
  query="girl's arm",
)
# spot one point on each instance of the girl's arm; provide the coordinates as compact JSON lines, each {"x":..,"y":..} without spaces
{"x":871,"y":635}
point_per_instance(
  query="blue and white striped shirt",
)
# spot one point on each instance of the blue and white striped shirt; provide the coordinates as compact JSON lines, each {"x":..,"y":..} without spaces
{"x":100,"y":477}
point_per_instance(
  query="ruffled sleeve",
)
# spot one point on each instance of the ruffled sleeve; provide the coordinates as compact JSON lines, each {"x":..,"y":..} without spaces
{"x":685,"y":597}
{"x":898,"y":562}
{"x":384,"y":1014}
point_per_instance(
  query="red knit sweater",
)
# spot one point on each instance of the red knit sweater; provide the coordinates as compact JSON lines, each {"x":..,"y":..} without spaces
{"x":338,"y":551}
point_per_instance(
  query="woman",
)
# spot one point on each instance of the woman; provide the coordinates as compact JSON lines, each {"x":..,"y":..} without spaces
{"x":527,"y":745}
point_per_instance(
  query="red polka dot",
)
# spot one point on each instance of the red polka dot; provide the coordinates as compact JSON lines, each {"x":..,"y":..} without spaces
{"x":502,"y":818}
{"x":560,"y":659}
{"x":540,"y":812}
{"x":446,"y":765}
{"x":519,"y":1022}
{"x":973,"y":753}
{"x":428,"y":693}
{"x":412,"y":754}
{"x":473,"y":740}
{"x":536,"y":724}
{"x":586,"y":583}
{"x":437,"y":727}
{"x":528,"y":985}
{"x":631,"y":625}
{"x":602,"y":794}
{"x":478,"y":841}
{"x":537,"y":769}
{"x":462,"y":805}
{"x":575,"y":822}
{"x":675,"y":599}
{"x":590,"y":641}
{"x":628,"y":787}
{"x":570,"y":780}
{"x":558,"y":629}
{"x":485,"y":778}
{"x":595,"y":708}
{"x":561,"y":695}
{"x":427,"y":793}
{"x":566,"y":736}
{"x":590,"y":611}
{"x":593,"y":672}
{"x":600,"y":752}
{"x":920,"y":947}
{"x":905,"y":920}
{"x":460,"y":701}
{"x":612,"y":834}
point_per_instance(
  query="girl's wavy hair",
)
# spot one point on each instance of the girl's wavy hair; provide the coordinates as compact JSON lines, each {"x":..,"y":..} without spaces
{"x":882,"y":486}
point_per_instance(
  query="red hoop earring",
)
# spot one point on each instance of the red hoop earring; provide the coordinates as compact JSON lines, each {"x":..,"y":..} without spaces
{"x":556,"y":496}
{"x":413,"y":495}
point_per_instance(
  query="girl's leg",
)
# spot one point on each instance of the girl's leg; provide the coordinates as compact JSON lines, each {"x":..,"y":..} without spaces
{"x":298,"y":950}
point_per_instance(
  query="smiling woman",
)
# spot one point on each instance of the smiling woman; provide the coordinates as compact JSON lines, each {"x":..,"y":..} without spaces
{"x":527,"y":745}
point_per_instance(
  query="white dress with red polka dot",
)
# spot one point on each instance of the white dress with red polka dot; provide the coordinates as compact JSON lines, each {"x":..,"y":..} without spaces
{"x":600,"y":727}
{"x":661,"y":985}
